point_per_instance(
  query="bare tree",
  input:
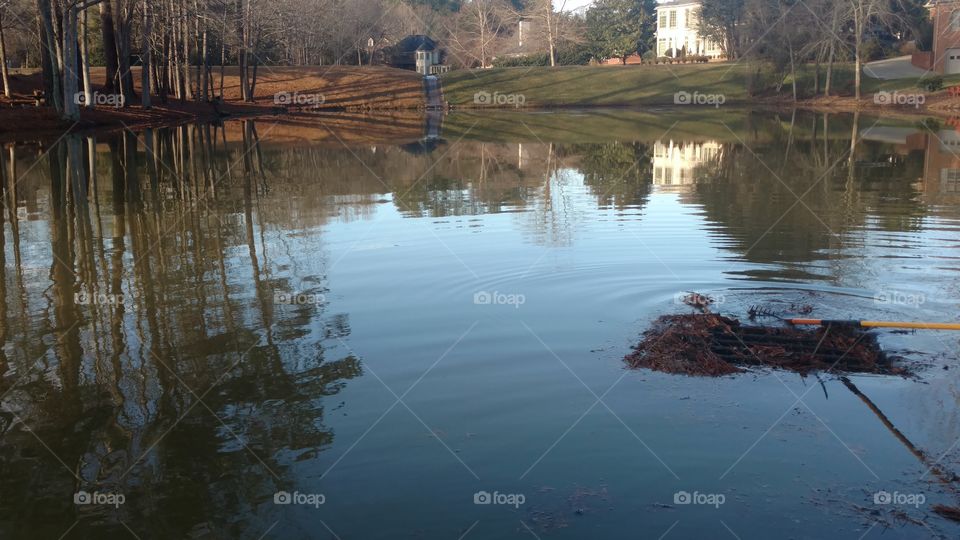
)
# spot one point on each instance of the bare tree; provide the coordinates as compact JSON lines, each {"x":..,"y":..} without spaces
{"x":557,"y":26}
{"x":479,"y":30}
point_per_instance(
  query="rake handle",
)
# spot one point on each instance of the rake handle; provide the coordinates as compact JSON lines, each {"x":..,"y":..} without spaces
{"x":877,"y":324}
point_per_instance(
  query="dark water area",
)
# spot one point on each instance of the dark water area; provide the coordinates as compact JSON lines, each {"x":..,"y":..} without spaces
{"x":330,"y":328}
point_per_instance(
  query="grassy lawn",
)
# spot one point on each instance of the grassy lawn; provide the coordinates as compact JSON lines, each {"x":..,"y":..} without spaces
{"x":645,"y":85}
{"x":598,"y":85}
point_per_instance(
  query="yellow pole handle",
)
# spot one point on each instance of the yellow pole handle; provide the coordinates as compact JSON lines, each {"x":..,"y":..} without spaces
{"x":918,"y":325}
{"x":878,"y":324}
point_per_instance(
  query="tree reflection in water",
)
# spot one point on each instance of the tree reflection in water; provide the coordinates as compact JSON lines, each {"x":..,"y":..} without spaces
{"x":166,"y":334}
{"x":142,"y":361}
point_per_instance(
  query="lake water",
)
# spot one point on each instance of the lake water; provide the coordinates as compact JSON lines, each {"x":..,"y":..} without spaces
{"x":358,"y":327}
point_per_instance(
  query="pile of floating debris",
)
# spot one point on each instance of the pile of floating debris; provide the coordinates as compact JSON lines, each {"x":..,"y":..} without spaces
{"x":707,"y":344}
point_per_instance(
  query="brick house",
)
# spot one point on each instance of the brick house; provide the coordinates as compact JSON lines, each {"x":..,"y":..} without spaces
{"x":944,"y":55}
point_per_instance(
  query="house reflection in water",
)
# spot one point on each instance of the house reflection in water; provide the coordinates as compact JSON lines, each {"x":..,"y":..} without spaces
{"x":941,"y":159}
{"x":674,"y":163}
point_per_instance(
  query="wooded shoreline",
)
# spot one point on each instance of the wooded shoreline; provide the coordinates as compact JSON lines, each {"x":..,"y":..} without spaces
{"x":282,"y":90}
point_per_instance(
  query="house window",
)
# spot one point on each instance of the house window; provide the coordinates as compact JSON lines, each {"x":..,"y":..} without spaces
{"x":673,"y":18}
{"x":950,"y":180}
{"x":663,"y":20}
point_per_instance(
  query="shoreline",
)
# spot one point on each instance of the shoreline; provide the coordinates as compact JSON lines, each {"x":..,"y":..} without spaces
{"x":44,"y":124}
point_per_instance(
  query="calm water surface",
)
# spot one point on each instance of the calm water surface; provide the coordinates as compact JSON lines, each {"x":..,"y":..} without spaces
{"x":202,"y":323}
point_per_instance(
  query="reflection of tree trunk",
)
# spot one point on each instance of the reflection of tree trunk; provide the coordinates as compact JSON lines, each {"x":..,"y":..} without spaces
{"x":786,"y":152}
{"x":151,"y":163}
{"x":145,"y":300}
{"x":62,"y":275}
{"x":11,"y":196}
{"x":849,"y":194}
{"x":206,"y":160}
{"x":118,"y":155}
{"x":947,"y":477}
{"x":854,"y":133}
{"x":4,"y":329}
{"x":266,"y":312}
{"x":77,"y":169}
{"x":826,"y":138}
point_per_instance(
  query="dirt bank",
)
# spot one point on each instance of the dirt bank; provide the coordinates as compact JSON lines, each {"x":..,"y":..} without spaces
{"x":278,"y":90}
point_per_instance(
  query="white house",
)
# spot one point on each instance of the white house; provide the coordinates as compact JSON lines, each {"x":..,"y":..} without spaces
{"x":677,"y":22}
{"x":674,"y":163}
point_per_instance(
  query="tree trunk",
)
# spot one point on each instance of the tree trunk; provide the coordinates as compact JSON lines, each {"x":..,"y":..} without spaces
{"x":223,"y":54}
{"x":164,"y":68}
{"x":109,"y":45}
{"x":147,"y":59}
{"x":205,"y":74}
{"x":4,"y":71}
{"x":71,"y":105}
{"x":85,"y":57}
{"x":124,"y":33}
{"x":829,"y":78}
{"x":185,"y":34}
{"x":859,"y":68}
{"x":198,"y":76}
{"x":46,"y":57}
{"x":46,"y":19}
{"x":859,"y":23}
{"x":550,"y":36}
{"x":242,"y":51}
